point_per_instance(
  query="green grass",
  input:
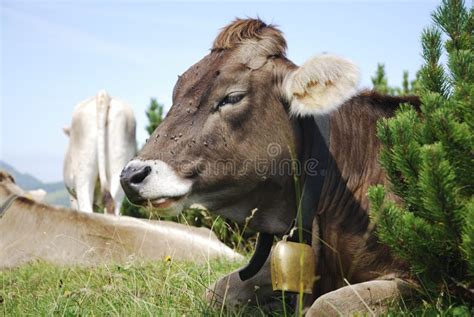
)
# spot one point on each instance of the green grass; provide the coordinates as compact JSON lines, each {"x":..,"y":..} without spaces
{"x":438,"y":308}
{"x":136,"y":289}
{"x":430,"y":310}
{"x":140,"y":289}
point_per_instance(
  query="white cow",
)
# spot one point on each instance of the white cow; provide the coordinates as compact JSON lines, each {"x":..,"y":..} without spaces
{"x":101,"y":142}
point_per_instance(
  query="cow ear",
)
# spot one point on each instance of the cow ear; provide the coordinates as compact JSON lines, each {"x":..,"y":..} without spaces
{"x":321,"y":85}
{"x":67,"y":131}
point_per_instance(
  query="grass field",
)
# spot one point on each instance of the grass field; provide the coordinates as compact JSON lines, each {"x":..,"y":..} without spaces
{"x":136,"y":289}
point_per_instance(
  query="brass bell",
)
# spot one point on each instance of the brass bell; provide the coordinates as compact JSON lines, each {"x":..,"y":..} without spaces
{"x":293,"y":267}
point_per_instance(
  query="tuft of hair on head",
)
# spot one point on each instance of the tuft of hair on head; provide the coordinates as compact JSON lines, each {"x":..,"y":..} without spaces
{"x":4,"y":176}
{"x":244,"y":30}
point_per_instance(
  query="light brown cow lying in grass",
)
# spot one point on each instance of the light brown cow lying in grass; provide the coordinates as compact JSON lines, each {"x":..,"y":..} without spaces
{"x":31,"y":230}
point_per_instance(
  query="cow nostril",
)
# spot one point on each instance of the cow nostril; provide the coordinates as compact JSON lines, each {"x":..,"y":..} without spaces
{"x":139,"y":176}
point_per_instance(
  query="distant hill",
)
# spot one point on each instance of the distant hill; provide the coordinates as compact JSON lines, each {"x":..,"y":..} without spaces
{"x":57,"y":193}
{"x":24,"y":180}
{"x":59,"y":198}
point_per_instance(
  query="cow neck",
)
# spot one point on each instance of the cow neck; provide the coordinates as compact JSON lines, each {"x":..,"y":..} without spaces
{"x":314,"y":159}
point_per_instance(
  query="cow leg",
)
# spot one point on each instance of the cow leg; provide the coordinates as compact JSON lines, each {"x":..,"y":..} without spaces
{"x":85,"y":194}
{"x":109,"y":204}
{"x":367,"y":298}
{"x":73,"y":202}
{"x":116,"y":192}
{"x":121,"y":147}
{"x":232,"y":292}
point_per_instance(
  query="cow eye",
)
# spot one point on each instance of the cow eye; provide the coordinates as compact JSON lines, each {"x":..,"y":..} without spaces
{"x":231,"y":99}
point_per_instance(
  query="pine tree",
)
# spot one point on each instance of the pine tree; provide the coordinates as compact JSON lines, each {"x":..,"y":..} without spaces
{"x":155,"y":115}
{"x":428,"y":155}
{"x":380,"y":80}
{"x":405,"y":84}
{"x":380,"y":83}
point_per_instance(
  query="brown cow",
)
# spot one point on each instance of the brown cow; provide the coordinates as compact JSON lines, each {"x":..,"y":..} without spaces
{"x":241,"y":111}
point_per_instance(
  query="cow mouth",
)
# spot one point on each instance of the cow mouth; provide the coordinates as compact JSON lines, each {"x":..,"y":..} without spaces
{"x":162,"y":206}
{"x":165,"y":202}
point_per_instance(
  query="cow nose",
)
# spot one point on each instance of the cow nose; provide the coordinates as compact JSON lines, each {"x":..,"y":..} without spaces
{"x":131,"y":178}
{"x":134,"y":175}
{"x":137,"y":176}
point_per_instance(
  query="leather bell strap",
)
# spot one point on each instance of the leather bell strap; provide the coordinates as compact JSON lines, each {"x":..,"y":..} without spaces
{"x":260,"y":255}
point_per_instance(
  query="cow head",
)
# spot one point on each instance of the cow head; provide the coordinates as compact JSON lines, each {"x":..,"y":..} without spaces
{"x":229,"y":138}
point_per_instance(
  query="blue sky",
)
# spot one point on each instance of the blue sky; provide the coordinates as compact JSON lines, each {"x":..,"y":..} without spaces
{"x":57,"y":53}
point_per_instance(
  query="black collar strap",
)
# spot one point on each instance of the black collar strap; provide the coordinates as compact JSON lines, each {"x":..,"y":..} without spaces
{"x":7,"y":203}
{"x":316,"y":134}
{"x":315,"y":160}
{"x":260,"y":255}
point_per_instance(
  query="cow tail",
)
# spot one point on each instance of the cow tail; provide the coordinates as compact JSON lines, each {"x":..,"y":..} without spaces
{"x":103,"y":104}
